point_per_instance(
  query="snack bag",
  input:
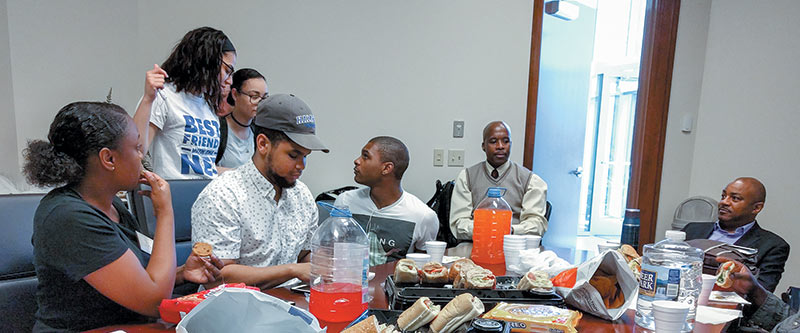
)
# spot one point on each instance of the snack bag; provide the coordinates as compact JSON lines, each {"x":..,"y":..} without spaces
{"x":535,"y":317}
{"x":172,"y":310}
{"x":604,"y":286}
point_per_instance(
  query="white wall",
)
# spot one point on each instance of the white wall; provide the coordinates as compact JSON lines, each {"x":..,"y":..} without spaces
{"x":8,"y":133}
{"x":747,"y":113}
{"x":366,"y":68}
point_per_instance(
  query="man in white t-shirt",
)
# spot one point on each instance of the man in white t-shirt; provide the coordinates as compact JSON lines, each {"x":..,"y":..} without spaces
{"x":259,"y":217}
{"x":396,"y":221}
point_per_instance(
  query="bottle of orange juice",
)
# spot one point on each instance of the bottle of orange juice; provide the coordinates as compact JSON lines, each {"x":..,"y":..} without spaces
{"x":491,"y":221}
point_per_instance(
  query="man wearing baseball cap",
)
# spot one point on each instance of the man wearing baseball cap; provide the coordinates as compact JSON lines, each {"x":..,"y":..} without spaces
{"x":259,"y":217}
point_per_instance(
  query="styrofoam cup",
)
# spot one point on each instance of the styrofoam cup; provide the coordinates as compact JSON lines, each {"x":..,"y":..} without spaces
{"x":420,"y":258}
{"x":670,"y":316}
{"x":511,"y":256}
{"x":533,"y":241}
{"x":708,"y":285}
{"x":436,"y":250}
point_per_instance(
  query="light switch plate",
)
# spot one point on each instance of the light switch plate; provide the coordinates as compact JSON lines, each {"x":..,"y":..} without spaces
{"x":438,"y":157}
{"x":458,"y":129}
{"x":455,"y":157}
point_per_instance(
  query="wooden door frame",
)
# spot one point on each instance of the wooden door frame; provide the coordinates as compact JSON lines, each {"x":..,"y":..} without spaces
{"x":650,"y":127}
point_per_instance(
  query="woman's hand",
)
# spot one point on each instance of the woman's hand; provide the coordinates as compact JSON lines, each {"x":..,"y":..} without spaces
{"x":202,"y":271}
{"x":154,"y":80}
{"x":159,"y":192}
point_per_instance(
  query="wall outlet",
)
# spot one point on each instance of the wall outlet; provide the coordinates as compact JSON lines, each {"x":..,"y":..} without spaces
{"x":458,"y":129}
{"x":438,"y":157}
{"x":455,"y":157}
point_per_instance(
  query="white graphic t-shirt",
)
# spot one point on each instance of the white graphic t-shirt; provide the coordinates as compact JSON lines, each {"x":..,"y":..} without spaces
{"x":187,"y":144}
{"x":393,"y":230}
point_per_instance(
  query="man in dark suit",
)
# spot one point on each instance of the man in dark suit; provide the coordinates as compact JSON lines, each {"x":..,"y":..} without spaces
{"x":741,"y":201}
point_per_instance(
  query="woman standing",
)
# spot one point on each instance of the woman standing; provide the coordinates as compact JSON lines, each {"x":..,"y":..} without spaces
{"x":236,"y":148}
{"x":177,"y":114}
{"x":91,"y":270}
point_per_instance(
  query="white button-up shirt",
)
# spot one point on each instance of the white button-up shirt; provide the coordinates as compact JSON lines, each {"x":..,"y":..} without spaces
{"x":236,"y":213}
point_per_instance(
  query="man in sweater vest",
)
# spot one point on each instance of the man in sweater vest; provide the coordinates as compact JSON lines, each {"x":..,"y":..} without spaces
{"x":526,"y":193}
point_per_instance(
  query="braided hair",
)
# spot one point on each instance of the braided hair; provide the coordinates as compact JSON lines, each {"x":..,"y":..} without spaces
{"x":78,"y":131}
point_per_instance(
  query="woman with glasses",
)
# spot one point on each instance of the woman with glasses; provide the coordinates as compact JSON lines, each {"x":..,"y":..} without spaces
{"x":92,"y":271}
{"x":177,"y":115}
{"x":236,"y":139}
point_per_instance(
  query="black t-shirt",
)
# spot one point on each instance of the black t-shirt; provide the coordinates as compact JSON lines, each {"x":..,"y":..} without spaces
{"x":72,"y":239}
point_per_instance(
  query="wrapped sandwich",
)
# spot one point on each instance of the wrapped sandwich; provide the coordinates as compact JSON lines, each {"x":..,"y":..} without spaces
{"x":419,"y":314}
{"x":405,"y":271}
{"x":479,"y":278}
{"x":370,"y":325}
{"x":460,"y":310}
{"x":535,"y":280}
{"x":457,"y":266}
{"x":724,"y":275}
{"x":535,"y":317}
{"x":434,"y":273}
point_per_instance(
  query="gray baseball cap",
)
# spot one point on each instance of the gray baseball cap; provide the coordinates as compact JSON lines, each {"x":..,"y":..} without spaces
{"x":290,"y":115}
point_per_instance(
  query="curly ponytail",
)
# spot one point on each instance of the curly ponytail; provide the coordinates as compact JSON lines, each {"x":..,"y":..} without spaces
{"x":79,"y":130}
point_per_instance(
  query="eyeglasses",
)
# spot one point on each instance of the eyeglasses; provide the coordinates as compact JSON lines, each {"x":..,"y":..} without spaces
{"x":255,"y":98}
{"x":228,"y":69}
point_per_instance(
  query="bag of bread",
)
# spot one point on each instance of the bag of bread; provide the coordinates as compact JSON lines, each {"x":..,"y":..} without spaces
{"x":604,"y":286}
{"x":535,"y":317}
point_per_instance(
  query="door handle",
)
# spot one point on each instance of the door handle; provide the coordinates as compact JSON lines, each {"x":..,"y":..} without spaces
{"x":577,"y":172}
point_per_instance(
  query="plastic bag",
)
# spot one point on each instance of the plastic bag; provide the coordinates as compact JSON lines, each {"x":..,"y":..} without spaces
{"x":582,"y":295}
{"x":245,"y":310}
{"x":546,"y":261}
{"x":173,"y":310}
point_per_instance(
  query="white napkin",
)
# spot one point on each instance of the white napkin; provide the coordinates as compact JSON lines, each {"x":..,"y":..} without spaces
{"x":713,"y":316}
{"x":726,"y":297}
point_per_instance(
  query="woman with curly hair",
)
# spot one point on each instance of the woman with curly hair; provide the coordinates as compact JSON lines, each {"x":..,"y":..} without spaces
{"x":248,"y":89}
{"x":177,"y":114}
{"x":91,"y":270}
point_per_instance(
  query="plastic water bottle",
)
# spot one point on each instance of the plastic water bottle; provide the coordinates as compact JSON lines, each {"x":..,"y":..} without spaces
{"x":671,"y":270}
{"x":339,"y":266}
{"x":491,"y":221}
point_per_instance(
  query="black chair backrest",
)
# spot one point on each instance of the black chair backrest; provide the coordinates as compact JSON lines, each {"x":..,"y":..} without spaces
{"x":17,"y":225}
{"x":17,"y":276}
{"x":184,"y":193}
{"x":440,"y":203}
{"x":547,"y":211}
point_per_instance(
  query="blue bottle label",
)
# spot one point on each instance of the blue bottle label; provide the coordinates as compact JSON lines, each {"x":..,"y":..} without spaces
{"x":659,"y":283}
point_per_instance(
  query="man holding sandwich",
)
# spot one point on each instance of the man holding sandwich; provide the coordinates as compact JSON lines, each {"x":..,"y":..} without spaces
{"x":259,"y":217}
{"x":767,"y":311}
{"x":741,"y":201}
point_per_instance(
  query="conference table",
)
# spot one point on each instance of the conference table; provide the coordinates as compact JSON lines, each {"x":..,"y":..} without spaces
{"x":588,"y":323}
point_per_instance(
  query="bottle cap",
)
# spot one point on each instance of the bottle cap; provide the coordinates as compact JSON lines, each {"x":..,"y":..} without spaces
{"x":675,"y":235}
{"x":496,"y":192}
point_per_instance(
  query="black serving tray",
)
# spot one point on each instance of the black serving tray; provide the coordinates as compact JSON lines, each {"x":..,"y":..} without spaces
{"x":389,"y":317}
{"x":402,"y":296}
